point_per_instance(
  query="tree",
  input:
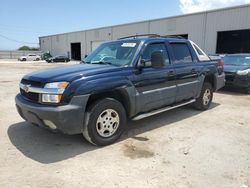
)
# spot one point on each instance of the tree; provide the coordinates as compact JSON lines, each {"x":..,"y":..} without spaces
{"x":27,"y":48}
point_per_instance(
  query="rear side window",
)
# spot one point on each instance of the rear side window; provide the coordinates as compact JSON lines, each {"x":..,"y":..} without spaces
{"x":146,"y":56}
{"x":182,"y":53}
{"x":200,"y":54}
{"x":198,"y":50}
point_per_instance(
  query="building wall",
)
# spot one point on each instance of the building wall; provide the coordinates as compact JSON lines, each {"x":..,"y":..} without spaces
{"x":225,"y":20}
{"x":201,"y":28}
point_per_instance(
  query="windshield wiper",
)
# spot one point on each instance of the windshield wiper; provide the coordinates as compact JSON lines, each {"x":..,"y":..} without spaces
{"x":84,"y":62}
{"x":103,"y":62}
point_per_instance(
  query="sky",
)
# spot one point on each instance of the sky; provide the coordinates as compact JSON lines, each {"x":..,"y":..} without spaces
{"x":23,"y":21}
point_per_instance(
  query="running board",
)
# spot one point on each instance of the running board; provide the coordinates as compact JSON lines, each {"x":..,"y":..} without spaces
{"x":141,"y":116}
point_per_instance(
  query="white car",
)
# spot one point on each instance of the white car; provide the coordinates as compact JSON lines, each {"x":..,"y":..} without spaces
{"x":30,"y":57}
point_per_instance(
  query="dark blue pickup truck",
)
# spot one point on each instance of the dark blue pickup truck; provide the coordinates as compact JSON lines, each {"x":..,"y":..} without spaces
{"x":130,"y":78}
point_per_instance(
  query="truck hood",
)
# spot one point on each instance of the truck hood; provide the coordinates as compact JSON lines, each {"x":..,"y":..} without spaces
{"x":70,"y":73}
{"x":235,"y":68}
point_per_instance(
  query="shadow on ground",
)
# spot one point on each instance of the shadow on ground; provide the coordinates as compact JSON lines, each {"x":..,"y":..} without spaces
{"x":46,"y":147}
{"x":234,"y":91}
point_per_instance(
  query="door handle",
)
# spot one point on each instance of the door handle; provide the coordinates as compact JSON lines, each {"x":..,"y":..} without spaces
{"x":193,"y":71}
{"x":171,"y":73}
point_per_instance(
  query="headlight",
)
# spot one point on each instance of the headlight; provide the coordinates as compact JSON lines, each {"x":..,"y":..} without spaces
{"x":58,"y":89}
{"x":243,"y":72}
{"x":57,"y":85}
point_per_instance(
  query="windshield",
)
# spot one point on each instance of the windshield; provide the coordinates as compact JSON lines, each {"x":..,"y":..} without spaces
{"x":237,"y":60}
{"x":115,"y":53}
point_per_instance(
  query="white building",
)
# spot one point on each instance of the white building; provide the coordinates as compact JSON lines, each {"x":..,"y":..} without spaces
{"x":224,"y":30}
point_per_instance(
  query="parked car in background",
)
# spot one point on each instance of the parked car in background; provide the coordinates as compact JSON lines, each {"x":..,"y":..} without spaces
{"x":30,"y":57}
{"x":46,"y":56}
{"x":130,"y":78}
{"x":60,"y":58}
{"x":237,"y":70}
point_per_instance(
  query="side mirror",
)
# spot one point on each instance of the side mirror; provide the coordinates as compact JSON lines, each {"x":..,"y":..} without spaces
{"x":157,"y":59}
{"x":141,"y":64}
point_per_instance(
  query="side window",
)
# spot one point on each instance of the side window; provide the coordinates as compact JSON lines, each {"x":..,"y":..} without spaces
{"x":182,"y":53}
{"x":146,"y":56}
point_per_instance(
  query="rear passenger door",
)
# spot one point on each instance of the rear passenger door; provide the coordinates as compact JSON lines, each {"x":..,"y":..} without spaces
{"x":155,"y":86}
{"x":186,"y":71}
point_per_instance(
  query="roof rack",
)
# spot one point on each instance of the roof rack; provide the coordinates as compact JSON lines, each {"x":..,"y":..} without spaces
{"x":150,"y":36}
{"x":141,"y":35}
{"x":173,"y":36}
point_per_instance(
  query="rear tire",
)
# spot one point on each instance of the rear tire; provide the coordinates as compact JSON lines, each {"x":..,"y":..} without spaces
{"x":105,"y":122}
{"x":206,"y":96}
{"x":24,"y":59}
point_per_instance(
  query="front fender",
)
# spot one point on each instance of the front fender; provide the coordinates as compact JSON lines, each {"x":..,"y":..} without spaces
{"x":111,"y":84}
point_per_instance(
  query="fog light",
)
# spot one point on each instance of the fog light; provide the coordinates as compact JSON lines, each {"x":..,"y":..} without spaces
{"x":49,"y":98}
{"x":50,"y":124}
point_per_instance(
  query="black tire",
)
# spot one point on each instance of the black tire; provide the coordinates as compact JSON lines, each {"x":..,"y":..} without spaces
{"x":201,"y":103}
{"x":37,"y":59}
{"x":95,"y":111}
{"x":24,"y":59}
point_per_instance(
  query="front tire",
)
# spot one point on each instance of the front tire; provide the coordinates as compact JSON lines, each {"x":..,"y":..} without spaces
{"x":105,"y":122}
{"x":206,"y":96}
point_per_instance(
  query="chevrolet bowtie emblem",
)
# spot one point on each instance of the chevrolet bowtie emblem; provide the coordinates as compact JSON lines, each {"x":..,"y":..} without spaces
{"x":26,"y":88}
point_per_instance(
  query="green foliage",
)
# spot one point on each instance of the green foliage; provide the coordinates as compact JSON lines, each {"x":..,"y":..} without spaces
{"x":27,"y":48}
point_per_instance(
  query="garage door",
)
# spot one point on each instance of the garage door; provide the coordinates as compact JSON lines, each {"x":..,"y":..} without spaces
{"x":237,"y":41}
{"x":95,"y":44}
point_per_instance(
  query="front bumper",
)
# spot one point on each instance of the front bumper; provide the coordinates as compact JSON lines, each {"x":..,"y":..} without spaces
{"x":68,"y":118}
{"x":238,"y":80}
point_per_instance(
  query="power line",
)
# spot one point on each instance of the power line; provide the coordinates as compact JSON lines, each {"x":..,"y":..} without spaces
{"x":17,"y":41}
